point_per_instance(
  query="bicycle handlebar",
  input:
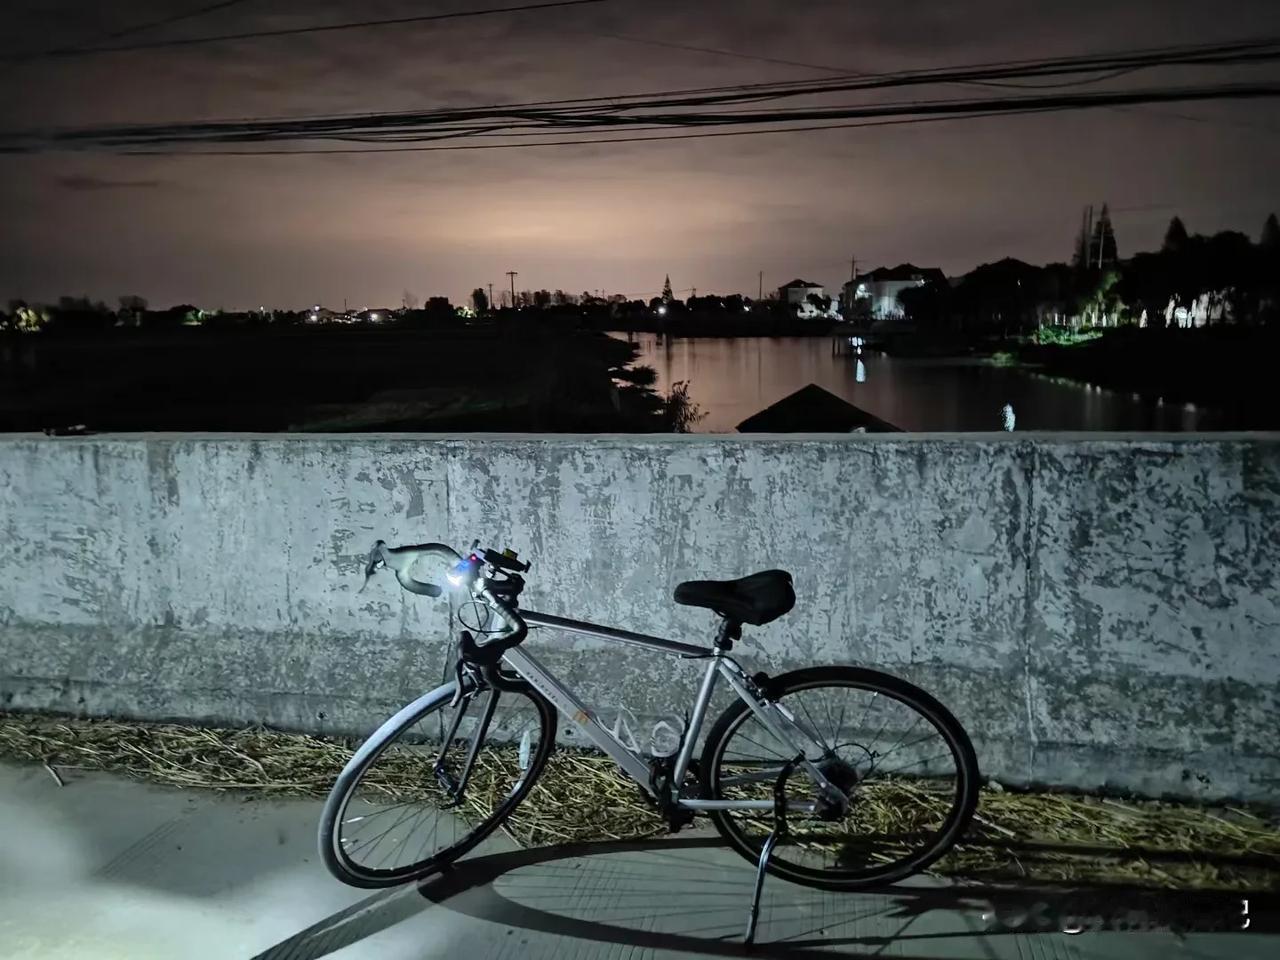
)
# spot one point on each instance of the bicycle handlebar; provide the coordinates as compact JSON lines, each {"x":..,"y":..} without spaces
{"x":402,"y":559}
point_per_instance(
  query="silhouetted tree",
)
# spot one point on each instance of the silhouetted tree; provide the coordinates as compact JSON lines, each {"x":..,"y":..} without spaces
{"x":409,"y":300}
{"x":80,"y":315}
{"x":822,"y":304}
{"x":1102,"y":250}
{"x":1270,"y":239}
{"x":1175,"y":238}
{"x":479,"y":300}
{"x":1147,"y":284}
{"x":679,"y":411}
{"x":131,"y":309}
{"x":642,"y":376}
{"x":175,"y":316}
{"x":1267,"y":270}
{"x":925,"y":306}
{"x":542,"y":299}
{"x":667,"y":295}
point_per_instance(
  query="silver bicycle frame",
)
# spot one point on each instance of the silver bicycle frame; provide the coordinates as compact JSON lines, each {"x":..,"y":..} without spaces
{"x":777,"y":720}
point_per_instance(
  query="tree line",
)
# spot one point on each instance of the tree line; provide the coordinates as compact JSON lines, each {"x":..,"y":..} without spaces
{"x":1192,"y":280}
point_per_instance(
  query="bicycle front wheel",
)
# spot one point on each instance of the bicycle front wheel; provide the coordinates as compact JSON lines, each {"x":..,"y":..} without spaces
{"x":905,"y":763}
{"x":434,"y":781}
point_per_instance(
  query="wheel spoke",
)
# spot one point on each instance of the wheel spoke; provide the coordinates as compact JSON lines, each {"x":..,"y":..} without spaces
{"x":898,"y":815}
{"x":396,"y":820}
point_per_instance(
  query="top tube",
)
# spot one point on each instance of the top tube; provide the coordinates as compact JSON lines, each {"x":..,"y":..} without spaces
{"x":612,"y":633}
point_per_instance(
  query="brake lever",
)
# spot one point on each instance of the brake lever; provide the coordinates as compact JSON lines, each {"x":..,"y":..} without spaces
{"x":371,"y":565}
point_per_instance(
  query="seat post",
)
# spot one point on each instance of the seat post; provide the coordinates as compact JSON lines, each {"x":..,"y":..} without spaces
{"x":730,"y":630}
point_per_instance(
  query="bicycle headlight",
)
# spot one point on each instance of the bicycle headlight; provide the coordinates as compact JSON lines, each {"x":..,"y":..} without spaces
{"x":461,"y":571}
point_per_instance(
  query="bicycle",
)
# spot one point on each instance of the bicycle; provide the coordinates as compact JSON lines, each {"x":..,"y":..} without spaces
{"x":771,"y":776}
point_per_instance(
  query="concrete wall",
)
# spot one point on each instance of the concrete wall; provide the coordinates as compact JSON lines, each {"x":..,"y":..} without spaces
{"x":1096,"y":610}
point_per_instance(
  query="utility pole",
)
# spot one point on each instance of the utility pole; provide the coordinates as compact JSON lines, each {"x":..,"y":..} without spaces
{"x":853,"y":286}
{"x":760,"y":292}
{"x":491,"y":296}
{"x":513,"y":274}
{"x":693,"y":292}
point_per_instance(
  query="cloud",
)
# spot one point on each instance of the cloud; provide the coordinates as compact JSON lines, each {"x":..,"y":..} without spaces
{"x":81,"y":182}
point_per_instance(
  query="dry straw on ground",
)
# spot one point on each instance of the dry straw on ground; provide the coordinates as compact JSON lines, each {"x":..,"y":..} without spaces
{"x":582,"y":797}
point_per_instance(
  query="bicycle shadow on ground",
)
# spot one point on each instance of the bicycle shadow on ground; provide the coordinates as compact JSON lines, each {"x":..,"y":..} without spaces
{"x":691,"y":895}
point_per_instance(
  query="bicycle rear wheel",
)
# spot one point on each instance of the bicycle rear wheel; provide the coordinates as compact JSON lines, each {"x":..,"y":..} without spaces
{"x":434,"y":781}
{"x":906,"y":763}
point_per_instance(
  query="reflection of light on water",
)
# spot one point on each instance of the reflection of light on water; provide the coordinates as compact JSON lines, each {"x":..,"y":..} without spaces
{"x":735,"y":378}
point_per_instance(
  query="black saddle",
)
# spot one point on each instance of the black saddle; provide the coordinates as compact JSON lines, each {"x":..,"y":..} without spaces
{"x":756,"y":599}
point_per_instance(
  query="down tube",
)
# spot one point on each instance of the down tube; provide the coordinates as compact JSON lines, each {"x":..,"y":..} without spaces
{"x":542,"y":680}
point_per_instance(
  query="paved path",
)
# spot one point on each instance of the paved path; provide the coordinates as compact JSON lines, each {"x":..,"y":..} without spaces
{"x":106,"y":868}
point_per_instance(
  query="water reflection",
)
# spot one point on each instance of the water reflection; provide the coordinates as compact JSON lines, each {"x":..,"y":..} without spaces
{"x":731,"y":379}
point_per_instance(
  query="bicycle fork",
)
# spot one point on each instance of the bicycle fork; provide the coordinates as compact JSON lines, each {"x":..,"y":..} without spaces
{"x":455,"y":789}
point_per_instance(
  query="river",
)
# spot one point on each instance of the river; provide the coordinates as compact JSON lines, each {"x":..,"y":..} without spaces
{"x":732,"y":378}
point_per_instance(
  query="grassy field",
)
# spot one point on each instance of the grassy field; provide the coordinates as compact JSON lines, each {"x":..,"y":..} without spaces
{"x":331,"y":379}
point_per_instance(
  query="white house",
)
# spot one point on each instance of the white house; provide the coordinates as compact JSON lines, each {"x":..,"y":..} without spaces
{"x":879,"y":289}
{"x":798,"y":291}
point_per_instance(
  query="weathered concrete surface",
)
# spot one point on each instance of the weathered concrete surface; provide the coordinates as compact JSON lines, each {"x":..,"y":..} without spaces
{"x":1097,"y":610}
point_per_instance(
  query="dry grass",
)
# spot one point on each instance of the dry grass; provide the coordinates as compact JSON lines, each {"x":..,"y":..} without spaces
{"x":582,"y":797}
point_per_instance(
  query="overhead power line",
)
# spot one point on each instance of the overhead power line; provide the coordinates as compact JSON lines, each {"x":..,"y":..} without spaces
{"x":123,"y":32}
{"x":673,"y":108}
{"x":748,"y":106}
{"x":173,"y":18}
{"x":843,"y":71}
{"x":294,"y":31}
{"x":823,"y":68}
{"x":925,"y":112}
{"x":771,"y":90}
{"x":545,"y":143}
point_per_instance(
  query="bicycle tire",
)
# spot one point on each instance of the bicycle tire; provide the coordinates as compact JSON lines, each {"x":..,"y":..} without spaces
{"x":343,"y":868}
{"x":944,"y":722}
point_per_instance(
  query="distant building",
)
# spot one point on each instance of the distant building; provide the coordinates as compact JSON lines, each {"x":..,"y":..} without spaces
{"x":877,"y":291}
{"x":798,"y":291}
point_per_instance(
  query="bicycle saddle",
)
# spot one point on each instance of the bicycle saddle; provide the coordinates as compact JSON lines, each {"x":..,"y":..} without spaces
{"x":756,"y":599}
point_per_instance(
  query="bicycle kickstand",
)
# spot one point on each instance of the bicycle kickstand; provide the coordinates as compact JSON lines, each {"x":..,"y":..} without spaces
{"x":779,"y":831}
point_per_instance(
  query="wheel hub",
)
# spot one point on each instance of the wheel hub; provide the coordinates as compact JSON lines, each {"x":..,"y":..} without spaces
{"x":841,"y":775}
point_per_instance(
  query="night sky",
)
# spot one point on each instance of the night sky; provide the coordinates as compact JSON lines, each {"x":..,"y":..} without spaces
{"x":236,"y":232}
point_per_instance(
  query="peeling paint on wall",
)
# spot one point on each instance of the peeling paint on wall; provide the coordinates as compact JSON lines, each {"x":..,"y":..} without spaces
{"x":1095,"y":610}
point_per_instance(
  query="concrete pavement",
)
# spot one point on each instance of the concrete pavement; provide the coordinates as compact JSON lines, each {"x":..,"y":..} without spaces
{"x":107,"y":868}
